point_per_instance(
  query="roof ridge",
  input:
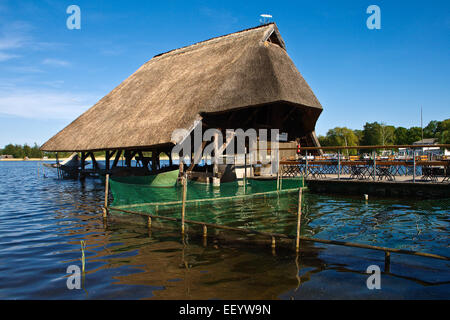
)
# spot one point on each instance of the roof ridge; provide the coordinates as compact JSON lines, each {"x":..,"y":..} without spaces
{"x":214,"y":38}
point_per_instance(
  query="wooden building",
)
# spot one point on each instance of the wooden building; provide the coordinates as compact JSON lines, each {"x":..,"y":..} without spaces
{"x":241,"y":80}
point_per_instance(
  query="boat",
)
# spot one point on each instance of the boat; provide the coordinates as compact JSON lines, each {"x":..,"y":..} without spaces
{"x":161,"y":179}
{"x":69,"y":167}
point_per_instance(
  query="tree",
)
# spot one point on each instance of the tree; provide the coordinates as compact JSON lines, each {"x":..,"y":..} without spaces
{"x":431,"y":129}
{"x":443,"y":131}
{"x":386,"y":134}
{"x":401,"y":136}
{"x":371,"y":134}
{"x":340,"y":136}
{"x":414,"y":134}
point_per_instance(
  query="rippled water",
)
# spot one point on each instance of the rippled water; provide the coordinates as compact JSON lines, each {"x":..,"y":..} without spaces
{"x":42,"y":221}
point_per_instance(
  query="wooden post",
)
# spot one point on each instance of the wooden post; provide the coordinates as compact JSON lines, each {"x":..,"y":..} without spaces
{"x":387,"y":261}
{"x":278,"y":179}
{"x":374,"y":165}
{"x":155,"y":159}
{"x":205,"y":231}
{"x":149,"y":222}
{"x":57,"y":165}
{"x":216,"y":155}
{"x":107,"y":158}
{"x":414,"y":165}
{"x":245,"y":168}
{"x":181,"y":166}
{"x":105,"y":208}
{"x":273,"y":242}
{"x":183,"y":208}
{"x":306,"y":163}
{"x":339,"y":164}
{"x":117,"y":158}
{"x":299,"y":215}
{"x":281,"y":177}
{"x":83,"y":160}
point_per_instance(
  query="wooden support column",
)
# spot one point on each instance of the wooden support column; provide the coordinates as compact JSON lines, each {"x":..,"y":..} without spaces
{"x":155,"y":159}
{"x":105,"y":208}
{"x":197,"y":157}
{"x":183,"y":208}
{"x":387,"y":261}
{"x":339,"y":164}
{"x":83,"y":160}
{"x":299,"y":216}
{"x":127,"y":155}
{"x":108,"y":155}
{"x":374,"y":165}
{"x":116,"y":158}
{"x":216,"y":155}
{"x":94,"y":162}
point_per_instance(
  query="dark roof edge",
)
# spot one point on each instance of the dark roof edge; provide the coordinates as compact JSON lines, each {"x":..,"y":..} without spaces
{"x":222,"y":36}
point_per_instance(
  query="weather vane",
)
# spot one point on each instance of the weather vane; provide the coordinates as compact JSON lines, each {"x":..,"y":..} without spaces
{"x":265,"y":18}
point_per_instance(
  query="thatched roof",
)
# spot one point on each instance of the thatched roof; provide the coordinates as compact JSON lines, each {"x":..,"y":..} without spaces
{"x":242,"y":69}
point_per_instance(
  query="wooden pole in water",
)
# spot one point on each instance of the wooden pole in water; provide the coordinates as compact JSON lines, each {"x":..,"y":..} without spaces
{"x":374,"y":165}
{"x":339,"y":164}
{"x":387,"y":261}
{"x":57,"y":165}
{"x":183,"y":208}
{"x":299,"y":215}
{"x":149,"y":222}
{"x":306,"y":163}
{"x":105,"y":208}
{"x":281,"y":177}
{"x":278,"y":179}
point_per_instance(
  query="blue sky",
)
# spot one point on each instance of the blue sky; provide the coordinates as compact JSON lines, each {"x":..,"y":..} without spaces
{"x":50,"y":74}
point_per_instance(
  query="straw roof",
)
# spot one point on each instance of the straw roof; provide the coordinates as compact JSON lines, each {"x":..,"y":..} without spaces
{"x":242,"y":69}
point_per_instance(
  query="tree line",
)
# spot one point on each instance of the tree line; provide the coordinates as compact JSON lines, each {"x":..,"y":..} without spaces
{"x":375,"y":133}
{"x":21,"y":151}
{"x":372,"y":134}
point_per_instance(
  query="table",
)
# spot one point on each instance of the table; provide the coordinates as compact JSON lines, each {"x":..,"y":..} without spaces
{"x":384,"y":172}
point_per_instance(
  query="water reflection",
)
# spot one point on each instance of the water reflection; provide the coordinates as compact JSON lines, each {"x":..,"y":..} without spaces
{"x":43,"y":220}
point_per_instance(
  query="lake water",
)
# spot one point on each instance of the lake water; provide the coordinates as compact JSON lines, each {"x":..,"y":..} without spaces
{"x":42,"y":221}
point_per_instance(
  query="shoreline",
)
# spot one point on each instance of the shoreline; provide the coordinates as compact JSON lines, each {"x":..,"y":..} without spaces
{"x":63,"y":159}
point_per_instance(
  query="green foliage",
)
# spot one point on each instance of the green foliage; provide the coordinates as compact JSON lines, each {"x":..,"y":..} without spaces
{"x":443,"y":132}
{"x":20,"y":152}
{"x":381,"y":134}
{"x":372,"y":134}
{"x":401,"y":136}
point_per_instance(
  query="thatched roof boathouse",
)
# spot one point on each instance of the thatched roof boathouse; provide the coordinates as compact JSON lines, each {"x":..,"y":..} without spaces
{"x":241,"y":80}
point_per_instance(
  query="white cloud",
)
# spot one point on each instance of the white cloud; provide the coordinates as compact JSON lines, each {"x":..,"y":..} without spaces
{"x":56,"y":62}
{"x":7,"y":56}
{"x":45,"y":105}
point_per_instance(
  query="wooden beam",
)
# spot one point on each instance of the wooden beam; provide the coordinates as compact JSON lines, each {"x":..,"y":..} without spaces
{"x":155,"y":159}
{"x":108,"y":155}
{"x":199,"y":154}
{"x":117,"y":158}
{"x":94,"y":162}
{"x":83,"y":160}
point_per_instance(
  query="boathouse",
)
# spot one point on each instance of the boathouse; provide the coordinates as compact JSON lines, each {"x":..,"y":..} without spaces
{"x":241,"y":80}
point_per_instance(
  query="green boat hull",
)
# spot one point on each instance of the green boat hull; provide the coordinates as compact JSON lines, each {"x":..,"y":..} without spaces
{"x":160,"y":180}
